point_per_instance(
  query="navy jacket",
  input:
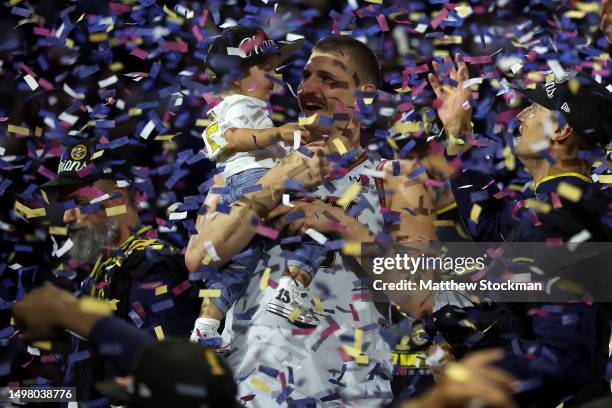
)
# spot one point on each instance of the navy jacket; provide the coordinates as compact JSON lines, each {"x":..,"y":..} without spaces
{"x":553,"y":358}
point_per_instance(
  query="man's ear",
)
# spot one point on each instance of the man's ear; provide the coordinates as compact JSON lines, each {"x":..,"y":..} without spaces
{"x":561,"y":134}
{"x":368,"y":88}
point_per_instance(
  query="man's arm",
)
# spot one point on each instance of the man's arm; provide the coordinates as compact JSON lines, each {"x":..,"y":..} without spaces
{"x":47,"y":309}
{"x":229,"y":233}
{"x":488,"y":218}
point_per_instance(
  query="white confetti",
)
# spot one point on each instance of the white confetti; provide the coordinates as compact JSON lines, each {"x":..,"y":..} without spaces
{"x":31,"y":82}
{"x":72,"y":93}
{"x":472,"y":81}
{"x":286,"y":201}
{"x":556,"y":69}
{"x":147,"y":129}
{"x":100,"y":199}
{"x":108,"y":81}
{"x":178,"y":215}
{"x":317,"y":236}
{"x":212,"y":252}
{"x":297,"y":138}
{"x":68,"y":118}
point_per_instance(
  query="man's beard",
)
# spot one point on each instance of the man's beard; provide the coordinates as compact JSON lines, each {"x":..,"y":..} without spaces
{"x":89,"y":243}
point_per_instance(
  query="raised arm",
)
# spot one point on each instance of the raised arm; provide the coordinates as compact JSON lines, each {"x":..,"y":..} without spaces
{"x":490,"y":218}
{"x":229,"y":233}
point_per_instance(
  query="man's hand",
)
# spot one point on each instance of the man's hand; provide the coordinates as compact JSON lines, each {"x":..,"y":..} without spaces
{"x":316,"y":215}
{"x":606,"y":19}
{"x":299,"y":167}
{"x":286,"y":132}
{"x":46,"y":309}
{"x":475,"y":380}
{"x":452,"y":111}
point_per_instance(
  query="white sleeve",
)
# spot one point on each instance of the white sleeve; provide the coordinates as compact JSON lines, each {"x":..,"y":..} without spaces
{"x":246,"y":114}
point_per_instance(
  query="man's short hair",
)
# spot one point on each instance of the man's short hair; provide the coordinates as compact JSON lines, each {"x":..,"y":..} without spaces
{"x":359,"y":53}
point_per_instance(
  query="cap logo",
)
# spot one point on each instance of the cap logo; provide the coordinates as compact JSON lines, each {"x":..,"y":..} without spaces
{"x":70,"y":165}
{"x":565,"y":107}
{"x":550,"y":88}
{"x":78,"y":152}
{"x":256,"y":43}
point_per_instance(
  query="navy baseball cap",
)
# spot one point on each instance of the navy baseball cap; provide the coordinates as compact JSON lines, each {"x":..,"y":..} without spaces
{"x":176,"y":373}
{"x":86,"y":161}
{"x":585,"y":104}
{"x":242,"y":46}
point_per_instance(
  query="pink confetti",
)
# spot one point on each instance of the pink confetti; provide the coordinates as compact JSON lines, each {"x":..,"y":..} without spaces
{"x":556,"y":201}
{"x":27,"y":69}
{"x":305,"y":331}
{"x":416,"y":70}
{"x":329,"y":330}
{"x":91,"y":191}
{"x":119,"y":8}
{"x":41,"y":31}
{"x":45,"y":84}
{"x":49,"y":358}
{"x":160,"y":221}
{"x":203,"y":17}
{"x":181,"y":287}
{"x":554,"y":241}
{"x":382,"y":22}
{"x":139,"y":53}
{"x":435,"y":22}
{"x":484,"y":59}
{"x":267,"y":232}
{"x":354,"y":312}
{"x":434,"y":183}
{"x":102,"y":285}
{"x":86,"y":170}
{"x":139,"y":309}
{"x":150,"y":285}
{"x":196,"y":33}
{"x":175,"y":46}
{"x":534,"y":218}
{"x":51,"y":175}
{"x":406,"y":106}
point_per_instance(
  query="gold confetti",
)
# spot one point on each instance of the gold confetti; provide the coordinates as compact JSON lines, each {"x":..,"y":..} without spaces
{"x":159,"y":332}
{"x":259,"y":384}
{"x":213,"y":362}
{"x":443,"y":223}
{"x":209,"y":293}
{"x":19,"y":130}
{"x":352,"y":248}
{"x":265,"y":277}
{"x":307,"y":120}
{"x":42,"y":345}
{"x":569,"y":191}
{"x":95,"y":306}
{"x":475,"y":212}
{"x":605,"y":178}
{"x":339,"y":146}
{"x":318,"y":305}
{"x":295,"y":313}
{"x":97,"y":154}
{"x":117,"y":210}
{"x":540,"y":206}
{"x":160,"y":290}
{"x":349,"y":194}
{"x":54,"y":230}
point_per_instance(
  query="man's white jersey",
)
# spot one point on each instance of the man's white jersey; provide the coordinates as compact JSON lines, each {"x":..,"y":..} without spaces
{"x":273,"y":360}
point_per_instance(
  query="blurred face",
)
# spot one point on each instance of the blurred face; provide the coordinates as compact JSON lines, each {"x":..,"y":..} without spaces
{"x":328,"y":86}
{"x":91,"y":232}
{"x":256,"y":83}
{"x":536,"y":124}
